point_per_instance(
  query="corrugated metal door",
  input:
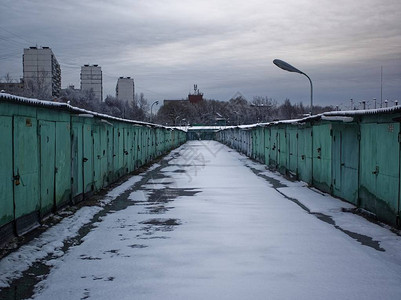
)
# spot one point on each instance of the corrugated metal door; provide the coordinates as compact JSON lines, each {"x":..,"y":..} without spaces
{"x":283,"y":153}
{"x":115,"y":153}
{"x":305,"y":154}
{"x":292,"y":137}
{"x":261,"y":154}
{"x":26,"y":172}
{"x":47,"y":132}
{"x":87,"y":160}
{"x":322,"y":144}
{"x":336,"y":160}
{"x":110,"y":154}
{"x":103,"y":154}
{"x":379,"y":186}
{"x":120,"y":152}
{"x":77,"y":158}
{"x":126,"y":150}
{"x":274,"y":147}
{"x":63,"y":164}
{"x":136,"y":147}
{"x":132,"y":151}
{"x":97,"y":158}
{"x":267,"y":145}
{"x":345,"y":160}
{"x":6,"y":174}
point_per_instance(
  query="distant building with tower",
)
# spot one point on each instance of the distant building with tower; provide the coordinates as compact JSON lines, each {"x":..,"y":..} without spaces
{"x":91,"y":79}
{"x":125,"y":89}
{"x":41,"y":73}
{"x":196,"y":97}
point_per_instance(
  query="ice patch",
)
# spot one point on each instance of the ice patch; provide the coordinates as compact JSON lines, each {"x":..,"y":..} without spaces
{"x":139,"y":196}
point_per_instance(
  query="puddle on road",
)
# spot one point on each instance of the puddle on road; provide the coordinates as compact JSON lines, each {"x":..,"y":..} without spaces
{"x":162,"y":222}
{"x":363,"y":239}
{"x":138,"y":246}
{"x":276,"y":184}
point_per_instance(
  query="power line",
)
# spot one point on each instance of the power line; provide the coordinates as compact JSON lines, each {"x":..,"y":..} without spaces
{"x":18,"y":36}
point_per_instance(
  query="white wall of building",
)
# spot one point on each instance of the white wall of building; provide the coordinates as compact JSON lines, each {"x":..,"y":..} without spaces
{"x":125,"y":89}
{"x":41,"y":71}
{"x":91,"y":78}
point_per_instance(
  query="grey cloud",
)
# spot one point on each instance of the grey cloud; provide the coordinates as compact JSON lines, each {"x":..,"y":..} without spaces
{"x":224,"y":46}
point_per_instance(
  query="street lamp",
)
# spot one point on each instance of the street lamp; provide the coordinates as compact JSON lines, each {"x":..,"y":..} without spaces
{"x":175,"y":120}
{"x":157,"y":103}
{"x":286,"y":66}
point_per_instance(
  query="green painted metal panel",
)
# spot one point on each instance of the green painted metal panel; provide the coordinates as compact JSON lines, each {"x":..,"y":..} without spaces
{"x":103,"y":155}
{"x":144,"y":144}
{"x":110,"y":154}
{"x":273,"y":162}
{"x":120,"y":151}
{"x":322,"y":147}
{"x":63,"y":164}
{"x":97,"y":157}
{"x":379,"y":169}
{"x":126,"y":151}
{"x":133,"y":149}
{"x":267,"y":145}
{"x":282,"y":150}
{"x":292,"y":139}
{"x":261,"y":145}
{"x":305,"y":154}
{"x":140,"y":146}
{"x":47,"y":132}
{"x":136,"y":147}
{"x":116,"y":146}
{"x":87,"y":160}
{"x":345,"y":161}
{"x":77,"y":159}
{"x":26,"y":166}
{"x":6,"y":174}
{"x":147,"y":144}
{"x":254,"y":143}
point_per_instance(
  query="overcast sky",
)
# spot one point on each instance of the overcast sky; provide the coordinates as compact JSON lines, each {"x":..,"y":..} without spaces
{"x":224,"y":46}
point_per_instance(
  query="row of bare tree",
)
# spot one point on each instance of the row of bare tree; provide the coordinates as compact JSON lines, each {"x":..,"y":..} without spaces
{"x":236,"y":111}
{"x":41,"y":89}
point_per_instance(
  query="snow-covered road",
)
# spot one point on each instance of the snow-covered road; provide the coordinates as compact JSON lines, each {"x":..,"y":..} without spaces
{"x":208,"y":223}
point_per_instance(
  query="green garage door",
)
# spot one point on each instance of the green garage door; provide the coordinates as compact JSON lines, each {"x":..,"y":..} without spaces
{"x":6,"y":174}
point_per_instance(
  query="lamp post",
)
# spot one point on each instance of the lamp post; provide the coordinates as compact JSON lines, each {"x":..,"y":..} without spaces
{"x":157,"y":103}
{"x":175,"y":120}
{"x":287,"y":67}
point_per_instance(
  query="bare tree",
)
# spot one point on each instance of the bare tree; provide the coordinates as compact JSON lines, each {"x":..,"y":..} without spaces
{"x":39,"y":87}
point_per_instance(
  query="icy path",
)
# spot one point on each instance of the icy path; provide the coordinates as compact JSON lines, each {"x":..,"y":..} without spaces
{"x":208,"y":223}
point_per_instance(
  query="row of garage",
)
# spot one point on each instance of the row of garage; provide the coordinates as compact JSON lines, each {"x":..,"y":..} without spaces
{"x":53,"y":154}
{"x":353,"y":155}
